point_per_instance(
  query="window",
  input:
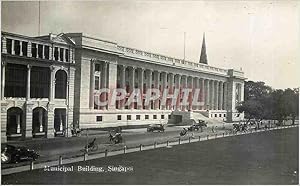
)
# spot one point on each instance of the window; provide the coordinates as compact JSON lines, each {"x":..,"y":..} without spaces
{"x":15,"y":80}
{"x":119,"y":117}
{"x":169,"y":116}
{"x":60,"y":84}
{"x":8,"y":45}
{"x":138,"y":117}
{"x":220,"y":115}
{"x":67,"y":55}
{"x":97,"y":82}
{"x":224,"y":115}
{"x":154,"y":116}
{"x":33,"y":50}
{"x":55,"y":53}
{"x":98,"y":118}
{"x":216,"y":115}
{"x":162,"y":116}
{"x":97,"y":67}
{"x":146,"y":116}
{"x":128,"y":117}
{"x":24,"y":48}
{"x":40,"y":51}
{"x":61,"y":54}
{"x":238,"y":115}
{"x":39,"y":82}
{"x":17,"y":47}
{"x":46,"y":52}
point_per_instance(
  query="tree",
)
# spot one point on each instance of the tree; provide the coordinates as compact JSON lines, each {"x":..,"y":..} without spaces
{"x":291,"y":103}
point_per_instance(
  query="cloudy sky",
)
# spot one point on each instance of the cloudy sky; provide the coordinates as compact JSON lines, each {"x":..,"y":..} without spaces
{"x":261,"y":37}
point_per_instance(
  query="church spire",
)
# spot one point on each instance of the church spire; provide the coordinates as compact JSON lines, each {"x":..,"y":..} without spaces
{"x":203,"y":57}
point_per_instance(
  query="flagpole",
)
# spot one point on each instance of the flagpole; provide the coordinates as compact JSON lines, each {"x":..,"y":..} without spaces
{"x":39,"y":18}
{"x":184,"y":46}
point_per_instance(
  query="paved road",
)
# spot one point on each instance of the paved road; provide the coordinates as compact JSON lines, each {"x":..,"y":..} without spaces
{"x":51,"y":149}
{"x":68,"y":147}
{"x":269,"y":157}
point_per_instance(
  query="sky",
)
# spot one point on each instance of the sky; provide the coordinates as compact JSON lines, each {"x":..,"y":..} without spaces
{"x":259,"y":37}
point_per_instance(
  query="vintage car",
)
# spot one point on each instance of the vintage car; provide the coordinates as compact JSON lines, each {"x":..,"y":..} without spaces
{"x":194,"y":127}
{"x":197,"y":126}
{"x":14,"y":154}
{"x":155,"y":127}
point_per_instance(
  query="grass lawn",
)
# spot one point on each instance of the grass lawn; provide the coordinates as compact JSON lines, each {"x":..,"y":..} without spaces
{"x":269,"y":157}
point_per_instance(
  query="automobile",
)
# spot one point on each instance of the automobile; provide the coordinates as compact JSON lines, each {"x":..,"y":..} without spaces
{"x":194,"y":127}
{"x":15,"y":154}
{"x":155,"y":127}
{"x":197,"y":126}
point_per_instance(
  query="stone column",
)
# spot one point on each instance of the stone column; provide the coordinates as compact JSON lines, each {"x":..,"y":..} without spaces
{"x":50,"y":52}
{"x":149,"y":84}
{"x":52,"y":83}
{"x":58,"y":49}
{"x":221,"y":96}
{"x":131,"y":84}
{"x":207,"y":92}
{"x":28,"y":82}
{"x":216,"y":103}
{"x":202,"y":94}
{"x":171,"y":88}
{"x":13,"y":47}
{"x":164,"y":88}
{"x":231,"y":100}
{"x":123,"y":85}
{"x":43,"y":51}
{"x":112,"y":82}
{"x":225,"y":96}
{"x":211,"y":96}
{"x":177,"y":86}
{"x":21,"y":51}
{"x":141,"y":84}
{"x":103,"y":96}
{"x":182,"y":86}
{"x":64,"y":54}
{"x":3,"y":115}
{"x":92,"y":84}
{"x":191,"y":86}
{"x":28,"y":120}
{"x":156,"y":85}
{"x":50,"y":123}
{"x":3,"y":79}
{"x":242,"y":91}
{"x":37,"y":50}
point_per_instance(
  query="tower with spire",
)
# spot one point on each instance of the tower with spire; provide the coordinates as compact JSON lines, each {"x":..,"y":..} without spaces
{"x":203,"y":57}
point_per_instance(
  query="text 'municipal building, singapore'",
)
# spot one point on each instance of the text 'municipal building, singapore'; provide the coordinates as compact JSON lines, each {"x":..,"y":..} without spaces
{"x":48,"y":85}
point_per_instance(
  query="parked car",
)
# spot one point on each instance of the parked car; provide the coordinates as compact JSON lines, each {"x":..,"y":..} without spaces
{"x":14,"y":154}
{"x":155,"y":127}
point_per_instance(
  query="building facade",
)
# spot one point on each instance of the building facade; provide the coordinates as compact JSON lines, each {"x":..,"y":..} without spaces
{"x":103,"y":64}
{"x":37,"y":86}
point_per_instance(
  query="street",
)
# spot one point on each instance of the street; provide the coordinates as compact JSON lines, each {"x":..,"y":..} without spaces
{"x":269,"y":157}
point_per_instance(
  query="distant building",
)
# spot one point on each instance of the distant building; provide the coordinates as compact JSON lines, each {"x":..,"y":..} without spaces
{"x":59,"y":97}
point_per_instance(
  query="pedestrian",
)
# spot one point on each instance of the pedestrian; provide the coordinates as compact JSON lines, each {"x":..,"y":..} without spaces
{"x":213,"y":129}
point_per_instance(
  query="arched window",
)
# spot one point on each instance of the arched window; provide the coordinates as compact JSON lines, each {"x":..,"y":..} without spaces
{"x":39,"y":119}
{"x":60,"y":84}
{"x":14,"y":121}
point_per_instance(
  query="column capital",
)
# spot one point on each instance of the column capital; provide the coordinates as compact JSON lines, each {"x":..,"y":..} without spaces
{"x":3,"y":63}
{"x":29,"y":66}
{"x":141,"y":68}
{"x":93,"y":60}
{"x":51,"y":68}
